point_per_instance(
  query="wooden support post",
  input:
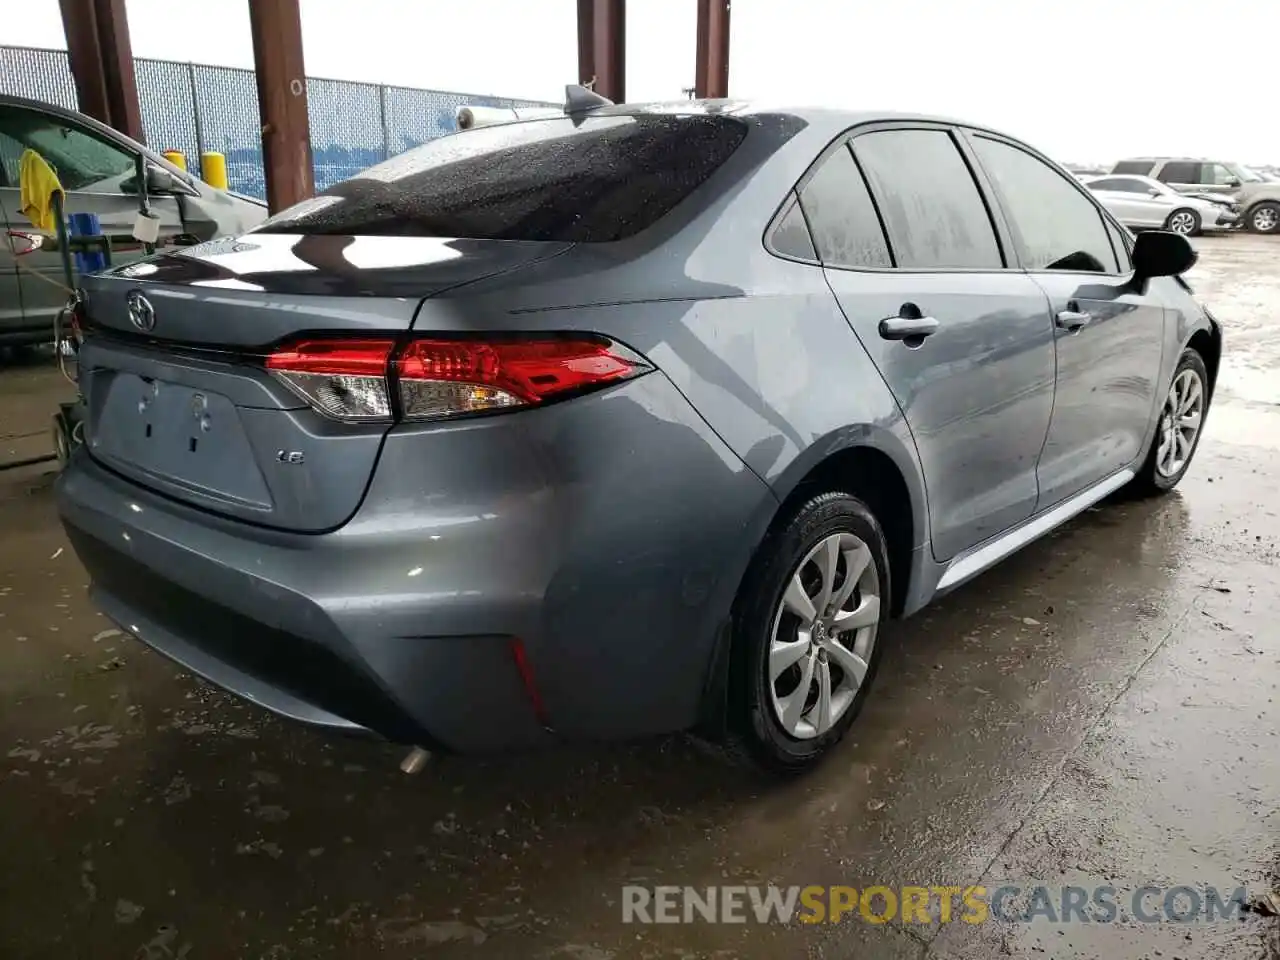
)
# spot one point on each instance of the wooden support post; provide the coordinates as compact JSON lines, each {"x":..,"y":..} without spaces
{"x":602,"y":47}
{"x":711,"y":76}
{"x":101,"y":59}
{"x":276,"y":26}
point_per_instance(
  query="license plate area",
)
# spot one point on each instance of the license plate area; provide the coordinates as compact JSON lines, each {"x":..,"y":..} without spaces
{"x":191,"y":441}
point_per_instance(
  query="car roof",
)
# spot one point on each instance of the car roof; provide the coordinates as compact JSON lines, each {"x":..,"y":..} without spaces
{"x":834,"y":118}
{"x":42,"y":106}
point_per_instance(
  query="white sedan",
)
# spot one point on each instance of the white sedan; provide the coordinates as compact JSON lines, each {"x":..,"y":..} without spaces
{"x":1143,"y":203}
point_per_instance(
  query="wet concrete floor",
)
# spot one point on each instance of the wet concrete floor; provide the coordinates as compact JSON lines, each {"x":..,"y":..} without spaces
{"x":1100,"y":711}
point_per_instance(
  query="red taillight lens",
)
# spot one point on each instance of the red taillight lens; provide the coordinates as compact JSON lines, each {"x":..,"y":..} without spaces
{"x":346,"y":379}
{"x":350,"y":379}
{"x":443,"y":378}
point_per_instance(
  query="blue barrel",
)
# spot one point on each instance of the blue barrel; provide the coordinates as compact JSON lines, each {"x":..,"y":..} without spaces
{"x":87,"y":225}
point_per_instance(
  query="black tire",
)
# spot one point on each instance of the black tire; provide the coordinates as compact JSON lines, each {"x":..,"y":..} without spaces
{"x":756,"y":737}
{"x":1194,"y":230}
{"x":1270,"y":218}
{"x":1151,"y":481}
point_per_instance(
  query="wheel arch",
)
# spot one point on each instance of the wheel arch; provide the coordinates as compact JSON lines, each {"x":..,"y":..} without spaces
{"x":875,"y":477}
{"x":1207,"y":341}
{"x":1252,"y":208}
{"x":875,"y":466}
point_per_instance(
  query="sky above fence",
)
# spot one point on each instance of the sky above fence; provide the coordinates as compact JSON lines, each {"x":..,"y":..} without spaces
{"x":1089,"y":80}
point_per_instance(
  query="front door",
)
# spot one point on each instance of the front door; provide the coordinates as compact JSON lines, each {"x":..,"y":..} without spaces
{"x":95,"y":173}
{"x":964,"y":344}
{"x":1109,"y":337}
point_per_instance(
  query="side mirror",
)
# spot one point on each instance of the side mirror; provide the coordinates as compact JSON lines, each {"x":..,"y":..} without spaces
{"x":159,"y":180}
{"x":1233,"y":182}
{"x":1153,"y":192}
{"x":1160,"y":253}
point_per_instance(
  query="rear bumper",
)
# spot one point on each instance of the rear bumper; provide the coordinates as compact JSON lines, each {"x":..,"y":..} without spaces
{"x":608,"y":534}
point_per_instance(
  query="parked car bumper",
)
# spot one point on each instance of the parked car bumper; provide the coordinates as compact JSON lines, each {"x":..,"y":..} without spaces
{"x":1226,"y":220}
{"x":573,"y":582}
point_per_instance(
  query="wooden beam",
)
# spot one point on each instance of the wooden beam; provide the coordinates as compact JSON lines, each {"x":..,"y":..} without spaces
{"x":117,"y":68}
{"x":602,"y":47}
{"x":711,"y":76}
{"x":101,"y":59}
{"x":586,"y":42}
{"x":276,"y":26}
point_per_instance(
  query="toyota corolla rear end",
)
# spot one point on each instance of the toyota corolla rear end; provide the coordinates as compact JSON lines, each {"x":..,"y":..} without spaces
{"x":357,"y":468}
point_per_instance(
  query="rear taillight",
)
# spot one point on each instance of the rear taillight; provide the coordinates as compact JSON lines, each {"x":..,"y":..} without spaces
{"x":439,"y":378}
{"x":443,"y":378}
{"x":346,"y":379}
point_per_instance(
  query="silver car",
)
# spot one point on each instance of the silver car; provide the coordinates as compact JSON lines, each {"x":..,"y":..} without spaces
{"x":1144,"y":203}
{"x":97,"y":168}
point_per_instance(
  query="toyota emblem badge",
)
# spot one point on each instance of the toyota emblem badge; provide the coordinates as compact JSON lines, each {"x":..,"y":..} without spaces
{"x":141,"y":314}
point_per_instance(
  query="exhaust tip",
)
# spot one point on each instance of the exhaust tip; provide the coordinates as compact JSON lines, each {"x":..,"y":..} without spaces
{"x":415,"y":761}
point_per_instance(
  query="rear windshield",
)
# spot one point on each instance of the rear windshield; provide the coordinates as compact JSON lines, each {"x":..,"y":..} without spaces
{"x":599,"y":179}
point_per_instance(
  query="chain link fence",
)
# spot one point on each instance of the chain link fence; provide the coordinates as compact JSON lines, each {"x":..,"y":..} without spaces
{"x":194,"y":108}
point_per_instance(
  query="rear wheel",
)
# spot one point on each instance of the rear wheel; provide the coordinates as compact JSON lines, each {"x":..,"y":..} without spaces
{"x":1265,"y":218}
{"x":1178,"y":431}
{"x":806,"y":633}
{"x":1183,"y":221}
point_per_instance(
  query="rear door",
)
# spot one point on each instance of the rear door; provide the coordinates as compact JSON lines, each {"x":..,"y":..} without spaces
{"x":95,"y":173}
{"x":964,"y":343}
{"x":1109,"y":336}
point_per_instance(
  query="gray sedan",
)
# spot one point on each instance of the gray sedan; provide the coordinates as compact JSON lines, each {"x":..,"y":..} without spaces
{"x":629,"y":421}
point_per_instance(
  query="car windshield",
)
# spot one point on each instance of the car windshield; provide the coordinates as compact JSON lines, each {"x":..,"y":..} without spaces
{"x":585,"y":180}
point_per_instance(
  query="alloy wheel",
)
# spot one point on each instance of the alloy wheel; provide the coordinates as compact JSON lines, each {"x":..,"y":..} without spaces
{"x":1265,"y":219}
{"x":1180,"y":423}
{"x":823,"y":635}
{"x":1183,"y":222}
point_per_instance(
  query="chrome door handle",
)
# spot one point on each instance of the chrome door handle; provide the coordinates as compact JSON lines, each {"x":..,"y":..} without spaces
{"x":907,"y":328}
{"x":1073,"y":320}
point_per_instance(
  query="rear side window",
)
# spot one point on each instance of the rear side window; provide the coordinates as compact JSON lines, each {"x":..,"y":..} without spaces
{"x":1119,"y":185}
{"x":1055,"y":226}
{"x":846,"y":230}
{"x":1140,"y":167}
{"x":594,"y":180}
{"x":1179,"y":172}
{"x":933,"y":213}
{"x":791,"y":236}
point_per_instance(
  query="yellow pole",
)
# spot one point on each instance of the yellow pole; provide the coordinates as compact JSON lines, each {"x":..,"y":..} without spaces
{"x":177,"y":158}
{"x":213,"y":166}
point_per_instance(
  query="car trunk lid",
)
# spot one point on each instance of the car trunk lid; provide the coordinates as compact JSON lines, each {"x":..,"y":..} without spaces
{"x":173,"y":368}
